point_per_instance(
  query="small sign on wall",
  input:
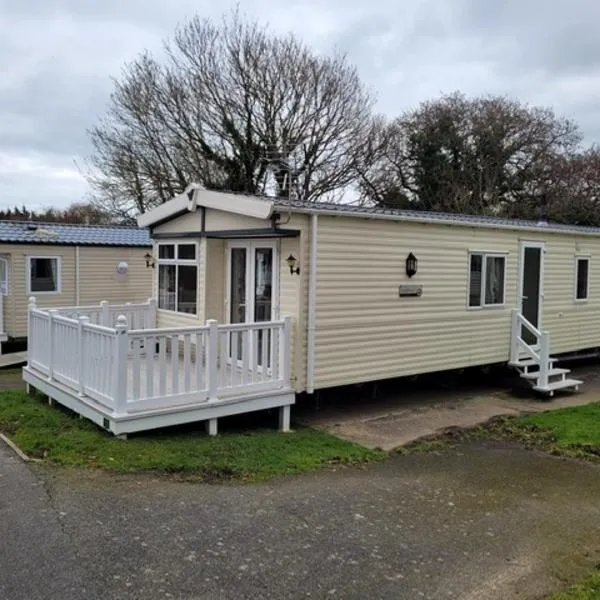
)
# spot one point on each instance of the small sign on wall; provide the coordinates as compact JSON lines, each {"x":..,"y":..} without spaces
{"x":410,"y":290}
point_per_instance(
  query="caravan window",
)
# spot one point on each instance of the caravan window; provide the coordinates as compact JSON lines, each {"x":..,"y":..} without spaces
{"x":582,"y":277}
{"x":486,"y":279}
{"x":178,"y":277}
{"x":43,"y":275}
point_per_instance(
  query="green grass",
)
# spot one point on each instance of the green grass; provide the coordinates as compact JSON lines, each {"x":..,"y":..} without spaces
{"x":589,"y":589}
{"x":62,"y":438}
{"x":571,"y":431}
{"x":575,"y":429}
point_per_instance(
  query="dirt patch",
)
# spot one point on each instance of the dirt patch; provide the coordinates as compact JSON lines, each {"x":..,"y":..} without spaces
{"x":11,"y":379}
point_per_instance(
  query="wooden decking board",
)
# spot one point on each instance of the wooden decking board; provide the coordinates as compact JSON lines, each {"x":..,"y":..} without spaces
{"x":14,"y":358}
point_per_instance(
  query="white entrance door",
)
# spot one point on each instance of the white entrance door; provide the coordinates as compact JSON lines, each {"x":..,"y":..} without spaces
{"x":531,"y":285}
{"x":252,"y":289}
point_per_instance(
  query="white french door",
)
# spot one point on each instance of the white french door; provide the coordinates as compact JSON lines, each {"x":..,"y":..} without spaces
{"x":252,"y":289}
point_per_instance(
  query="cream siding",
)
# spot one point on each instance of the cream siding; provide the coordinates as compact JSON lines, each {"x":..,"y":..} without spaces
{"x":366,"y":332}
{"x":219,"y":220}
{"x":98,"y":279}
{"x":216,"y":276}
{"x":186,"y":223}
{"x":293,"y":296}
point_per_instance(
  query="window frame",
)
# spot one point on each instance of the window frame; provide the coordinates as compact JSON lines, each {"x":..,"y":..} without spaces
{"x":176,"y":262}
{"x":587,"y":258}
{"x":32,"y":257}
{"x":484,"y":256}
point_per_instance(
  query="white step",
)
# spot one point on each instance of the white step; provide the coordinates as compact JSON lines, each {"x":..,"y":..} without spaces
{"x":529,"y":362}
{"x":551,"y":373}
{"x":562,"y":384}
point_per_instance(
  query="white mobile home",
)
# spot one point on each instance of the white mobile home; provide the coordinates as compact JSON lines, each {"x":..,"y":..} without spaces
{"x":302,"y":296}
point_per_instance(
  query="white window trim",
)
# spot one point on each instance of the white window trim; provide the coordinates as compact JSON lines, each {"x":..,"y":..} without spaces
{"x":183,"y":262}
{"x":58,"y":290}
{"x":7,"y":267}
{"x":484,"y":256}
{"x":579,"y":257}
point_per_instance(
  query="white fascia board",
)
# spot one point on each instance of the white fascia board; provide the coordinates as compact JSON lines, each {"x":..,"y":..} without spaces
{"x":174,"y":206}
{"x":241,"y":204}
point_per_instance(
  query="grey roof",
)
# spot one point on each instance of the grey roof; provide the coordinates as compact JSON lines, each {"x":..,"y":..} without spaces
{"x":431,"y":217}
{"x":64,"y":234}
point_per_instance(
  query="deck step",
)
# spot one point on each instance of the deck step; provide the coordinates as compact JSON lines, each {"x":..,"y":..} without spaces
{"x":558,"y":385}
{"x":529,"y":362}
{"x":551,"y":373}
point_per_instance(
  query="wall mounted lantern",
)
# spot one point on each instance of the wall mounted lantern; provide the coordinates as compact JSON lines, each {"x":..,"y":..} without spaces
{"x":293,"y":264}
{"x":150,"y":262}
{"x":411,"y":264}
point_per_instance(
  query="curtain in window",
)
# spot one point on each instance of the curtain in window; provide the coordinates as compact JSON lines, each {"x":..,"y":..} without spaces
{"x":494,"y":280}
{"x":166,"y":287}
{"x":475,"y":280}
{"x":53,"y":272}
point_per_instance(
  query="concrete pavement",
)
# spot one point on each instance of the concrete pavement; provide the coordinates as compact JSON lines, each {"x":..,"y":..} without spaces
{"x":396,"y":418}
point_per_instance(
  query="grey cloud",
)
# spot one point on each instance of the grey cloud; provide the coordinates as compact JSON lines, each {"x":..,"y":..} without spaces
{"x":58,"y":57}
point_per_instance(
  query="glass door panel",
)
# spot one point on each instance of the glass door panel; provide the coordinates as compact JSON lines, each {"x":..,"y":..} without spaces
{"x":263,"y":300}
{"x":238,"y":312}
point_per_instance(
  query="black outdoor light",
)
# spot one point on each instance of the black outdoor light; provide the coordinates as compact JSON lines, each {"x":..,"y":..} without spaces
{"x":411,"y":264}
{"x":149,"y":260}
{"x":293,"y":264}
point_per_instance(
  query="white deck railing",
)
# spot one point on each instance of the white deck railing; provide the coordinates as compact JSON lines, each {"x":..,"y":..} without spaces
{"x":139,"y":316}
{"x":132,"y":370}
{"x":539,"y":351}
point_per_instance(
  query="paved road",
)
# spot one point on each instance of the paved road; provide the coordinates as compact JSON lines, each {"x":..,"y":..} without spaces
{"x":478,"y":522}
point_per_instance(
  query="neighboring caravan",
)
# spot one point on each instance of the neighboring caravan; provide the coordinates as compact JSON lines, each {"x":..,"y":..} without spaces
{"x":63,"y":264}
{"x":258,"y":299}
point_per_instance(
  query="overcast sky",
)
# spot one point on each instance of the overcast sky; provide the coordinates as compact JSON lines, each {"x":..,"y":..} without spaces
{"x":57,"y":58}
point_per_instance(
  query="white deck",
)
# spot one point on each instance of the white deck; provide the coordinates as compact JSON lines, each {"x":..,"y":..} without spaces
{"x":132,"y":380}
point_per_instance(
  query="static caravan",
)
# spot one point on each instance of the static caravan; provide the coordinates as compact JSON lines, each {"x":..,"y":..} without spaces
{"x":377,"y":293}
{"x":258,"y":299}
{"x":61,"y":264}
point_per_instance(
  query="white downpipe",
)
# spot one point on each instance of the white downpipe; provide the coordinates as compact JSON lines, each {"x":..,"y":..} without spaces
{"x":77,"y":277}
{"x":312,"y":307}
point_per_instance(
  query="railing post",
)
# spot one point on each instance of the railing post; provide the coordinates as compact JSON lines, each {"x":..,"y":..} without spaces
{"x":105,"y":314}
{"x":285,"y":351}
{"x":81,"y":353}
{"x":51,"y":314}
{"x":212,"y":365}
{"x":544,"y":359}
{"x":514,"y":335}
{"x":120,"y":366}
{"x":151,"y":324}
{"x":31,"y":306}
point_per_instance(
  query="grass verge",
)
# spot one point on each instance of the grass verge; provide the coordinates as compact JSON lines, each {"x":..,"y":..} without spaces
{"x":60,"y":437}
{"x":589,"y":589}
{"x":573,"y":431}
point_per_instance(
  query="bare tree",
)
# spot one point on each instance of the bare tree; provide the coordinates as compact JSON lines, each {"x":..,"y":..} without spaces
{"x":233,"y":107}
